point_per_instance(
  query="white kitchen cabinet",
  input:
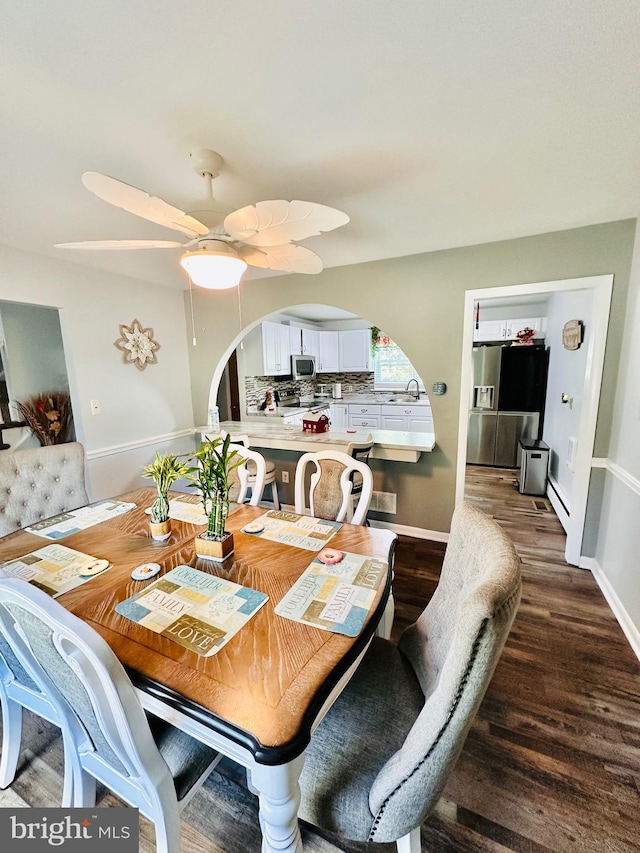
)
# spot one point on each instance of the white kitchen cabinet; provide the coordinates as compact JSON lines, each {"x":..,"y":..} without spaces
{"x":419,"y":424}
{"x":490,"y":330}
{"x":538,"y":324}
{"x":328,"y":358}
{"x":339,"y":415}
{"x":395,"y":422}
{"x":361,"y":416}
{"x":275,"y":349}
{"x":406,"y":418}
{"x":303,"y":341}
{"x":364,"y":422}
{"x":355,"y":350}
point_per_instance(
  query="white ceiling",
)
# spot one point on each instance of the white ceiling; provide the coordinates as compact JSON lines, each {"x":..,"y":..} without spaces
{"x":432,"y":124}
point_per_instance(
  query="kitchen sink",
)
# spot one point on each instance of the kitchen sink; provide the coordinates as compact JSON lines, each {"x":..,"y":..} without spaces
{"x":402,"y":398}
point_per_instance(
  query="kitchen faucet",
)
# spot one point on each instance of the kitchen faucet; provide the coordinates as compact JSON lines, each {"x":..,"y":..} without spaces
{"x":417,"y":394}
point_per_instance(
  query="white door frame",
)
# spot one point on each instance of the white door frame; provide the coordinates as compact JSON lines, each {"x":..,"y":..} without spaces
{"x":602,"y":286}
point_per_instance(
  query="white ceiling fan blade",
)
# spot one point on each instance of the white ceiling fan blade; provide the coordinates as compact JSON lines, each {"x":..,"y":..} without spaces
{"x":122,"y":244}
{"x":273,"y":223}
{"x":142,"y":204}
{"x":287,"y":258}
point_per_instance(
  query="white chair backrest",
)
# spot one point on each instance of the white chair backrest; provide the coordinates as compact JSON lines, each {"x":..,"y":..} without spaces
{"x":360,"y":449}
{"x":242,"y":474}
{"x":95,"y":701}
{"x":331,"y":486}
{"x":39,"y":483}
{"x":237,"y":439}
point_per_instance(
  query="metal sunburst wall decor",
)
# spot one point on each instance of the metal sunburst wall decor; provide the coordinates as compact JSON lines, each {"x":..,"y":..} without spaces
{"x":137,"y":345}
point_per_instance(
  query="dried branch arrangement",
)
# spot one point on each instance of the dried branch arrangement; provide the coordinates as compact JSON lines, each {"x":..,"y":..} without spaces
{"x":49,"y":416}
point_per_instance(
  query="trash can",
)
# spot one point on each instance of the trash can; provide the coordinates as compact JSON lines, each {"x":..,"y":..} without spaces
{"x":534,"y":465}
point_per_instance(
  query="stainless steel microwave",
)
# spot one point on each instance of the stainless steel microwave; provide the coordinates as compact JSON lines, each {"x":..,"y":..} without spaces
{"x":303,"y":367}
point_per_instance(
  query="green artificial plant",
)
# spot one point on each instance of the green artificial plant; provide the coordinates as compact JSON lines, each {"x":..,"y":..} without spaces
{"x":164,"y":471}
{"x":211,"y":476}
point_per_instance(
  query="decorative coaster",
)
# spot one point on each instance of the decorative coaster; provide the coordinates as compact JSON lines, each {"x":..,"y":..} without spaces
{"x":145,"y":571}
{"x":94,"y":569}
{"x":330,"y":556}
{"x":253,"y":527}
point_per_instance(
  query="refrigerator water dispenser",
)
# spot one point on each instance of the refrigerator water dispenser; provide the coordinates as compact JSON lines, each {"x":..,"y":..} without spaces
{"x":483,"y":396}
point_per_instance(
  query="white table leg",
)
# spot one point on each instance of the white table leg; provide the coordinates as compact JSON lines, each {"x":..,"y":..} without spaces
{"x":279,"y":797}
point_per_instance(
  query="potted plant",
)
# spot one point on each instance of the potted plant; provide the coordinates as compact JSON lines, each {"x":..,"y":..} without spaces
{"x":164,"y":471}
{"x":211,"y":477}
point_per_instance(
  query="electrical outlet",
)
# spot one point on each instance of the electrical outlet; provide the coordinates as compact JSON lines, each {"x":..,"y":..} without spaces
{"x":285,"y":476}
{"x":95,"y":407}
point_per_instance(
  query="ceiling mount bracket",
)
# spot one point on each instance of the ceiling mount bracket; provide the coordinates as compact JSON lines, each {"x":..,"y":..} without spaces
{"x":206,"y":163}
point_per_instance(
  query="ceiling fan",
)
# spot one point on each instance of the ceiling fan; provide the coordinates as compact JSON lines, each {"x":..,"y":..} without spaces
{"x":223,"y":241}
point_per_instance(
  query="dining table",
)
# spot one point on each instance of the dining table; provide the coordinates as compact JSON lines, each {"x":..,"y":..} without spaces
{"x":259,"y":698}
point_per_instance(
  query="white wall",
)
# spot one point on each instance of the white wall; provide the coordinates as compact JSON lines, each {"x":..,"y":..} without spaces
{"x":567,"y":370}
{"x":141,"y":410}
{"x":618,"y":542}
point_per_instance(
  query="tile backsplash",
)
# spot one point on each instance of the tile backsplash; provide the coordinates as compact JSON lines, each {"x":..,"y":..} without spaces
{"x":352,"y":383}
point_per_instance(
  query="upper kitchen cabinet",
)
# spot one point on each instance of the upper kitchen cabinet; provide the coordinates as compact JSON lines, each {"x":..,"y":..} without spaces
{"x":355,"y":351}
{"x":328,"y":359}
{"x":267,"y":350}
{"x":507,"y":330}
{"x":303,"y":341}
{"x":538,"y":324}
{"x":490,"y":330}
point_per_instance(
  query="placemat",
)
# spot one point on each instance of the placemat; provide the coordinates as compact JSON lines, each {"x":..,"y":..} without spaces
{"x":335,"y":593}
{"x":59,"y":526}
{"x":197,"y":610}
{"x":55,"y":568}
{"x":289,"y":528}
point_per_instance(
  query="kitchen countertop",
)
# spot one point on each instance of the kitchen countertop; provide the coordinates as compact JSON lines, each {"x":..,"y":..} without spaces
{"x":349,"y":400}
{"x":388,"y":444}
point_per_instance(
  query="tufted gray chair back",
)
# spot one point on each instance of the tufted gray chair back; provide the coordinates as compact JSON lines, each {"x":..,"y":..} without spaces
{"x":38,"y":483}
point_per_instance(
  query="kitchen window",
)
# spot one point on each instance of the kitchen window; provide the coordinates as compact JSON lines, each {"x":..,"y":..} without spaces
{"x":391,"y":367}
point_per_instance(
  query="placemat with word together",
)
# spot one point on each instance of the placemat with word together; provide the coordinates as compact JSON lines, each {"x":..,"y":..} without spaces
{"x":335,"y":593}
{"x":199,"y":611}
{"x":59,"y":526}
{"x":289,"y":528}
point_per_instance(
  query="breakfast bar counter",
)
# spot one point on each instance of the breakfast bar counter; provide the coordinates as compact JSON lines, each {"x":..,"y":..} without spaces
{"x":388,"y":444}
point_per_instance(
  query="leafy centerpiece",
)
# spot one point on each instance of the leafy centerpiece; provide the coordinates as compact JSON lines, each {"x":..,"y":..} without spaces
{"x":212,"y":476}
{"x":164,"y":471}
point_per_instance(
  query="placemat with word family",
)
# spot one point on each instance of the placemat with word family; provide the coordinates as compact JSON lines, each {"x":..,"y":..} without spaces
{"x":197,"y":610}
{"x":335,"y":593}
{"x":289,"y":528}
{"x":55,"y":568}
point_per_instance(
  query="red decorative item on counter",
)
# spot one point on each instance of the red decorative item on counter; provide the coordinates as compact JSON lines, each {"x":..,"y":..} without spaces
{"x":314,"y":422}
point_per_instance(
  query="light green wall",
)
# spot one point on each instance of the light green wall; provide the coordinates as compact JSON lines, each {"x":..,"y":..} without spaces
{"x":419,"y":301}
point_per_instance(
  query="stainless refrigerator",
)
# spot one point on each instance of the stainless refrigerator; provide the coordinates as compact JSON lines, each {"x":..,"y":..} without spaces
{"x":509,"y":386}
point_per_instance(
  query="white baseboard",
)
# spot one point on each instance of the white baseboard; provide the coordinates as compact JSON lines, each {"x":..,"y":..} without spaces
{"x":558,"y":506}
{"x":630,"y":630}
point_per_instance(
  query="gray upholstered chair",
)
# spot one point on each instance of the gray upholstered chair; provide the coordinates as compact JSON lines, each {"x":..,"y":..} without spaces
{"x":39,"y":483}
{"x":150,"y":764}
{"x":379,"y":760}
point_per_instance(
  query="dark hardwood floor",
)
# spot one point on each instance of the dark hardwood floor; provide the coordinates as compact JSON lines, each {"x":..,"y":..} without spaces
{"x":552,"y":763}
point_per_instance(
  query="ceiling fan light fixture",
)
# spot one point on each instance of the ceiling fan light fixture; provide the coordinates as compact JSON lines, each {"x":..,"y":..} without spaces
{"x":213,"y":270}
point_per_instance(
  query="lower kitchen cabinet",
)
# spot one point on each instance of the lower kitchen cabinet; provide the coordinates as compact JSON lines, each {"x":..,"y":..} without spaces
{"x":339,"y":415}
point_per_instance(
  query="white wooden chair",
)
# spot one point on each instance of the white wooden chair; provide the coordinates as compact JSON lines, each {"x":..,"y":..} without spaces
{"x":331,"y":486}
{"x":378,"y":762}
{"x":148,"y":763}
{"x":252,"y":474}
{"x":18,"y":691}
{"x":270,"y":474}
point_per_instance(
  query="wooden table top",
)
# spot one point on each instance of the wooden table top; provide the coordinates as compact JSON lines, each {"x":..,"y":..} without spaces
{"x":265,"y":687}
